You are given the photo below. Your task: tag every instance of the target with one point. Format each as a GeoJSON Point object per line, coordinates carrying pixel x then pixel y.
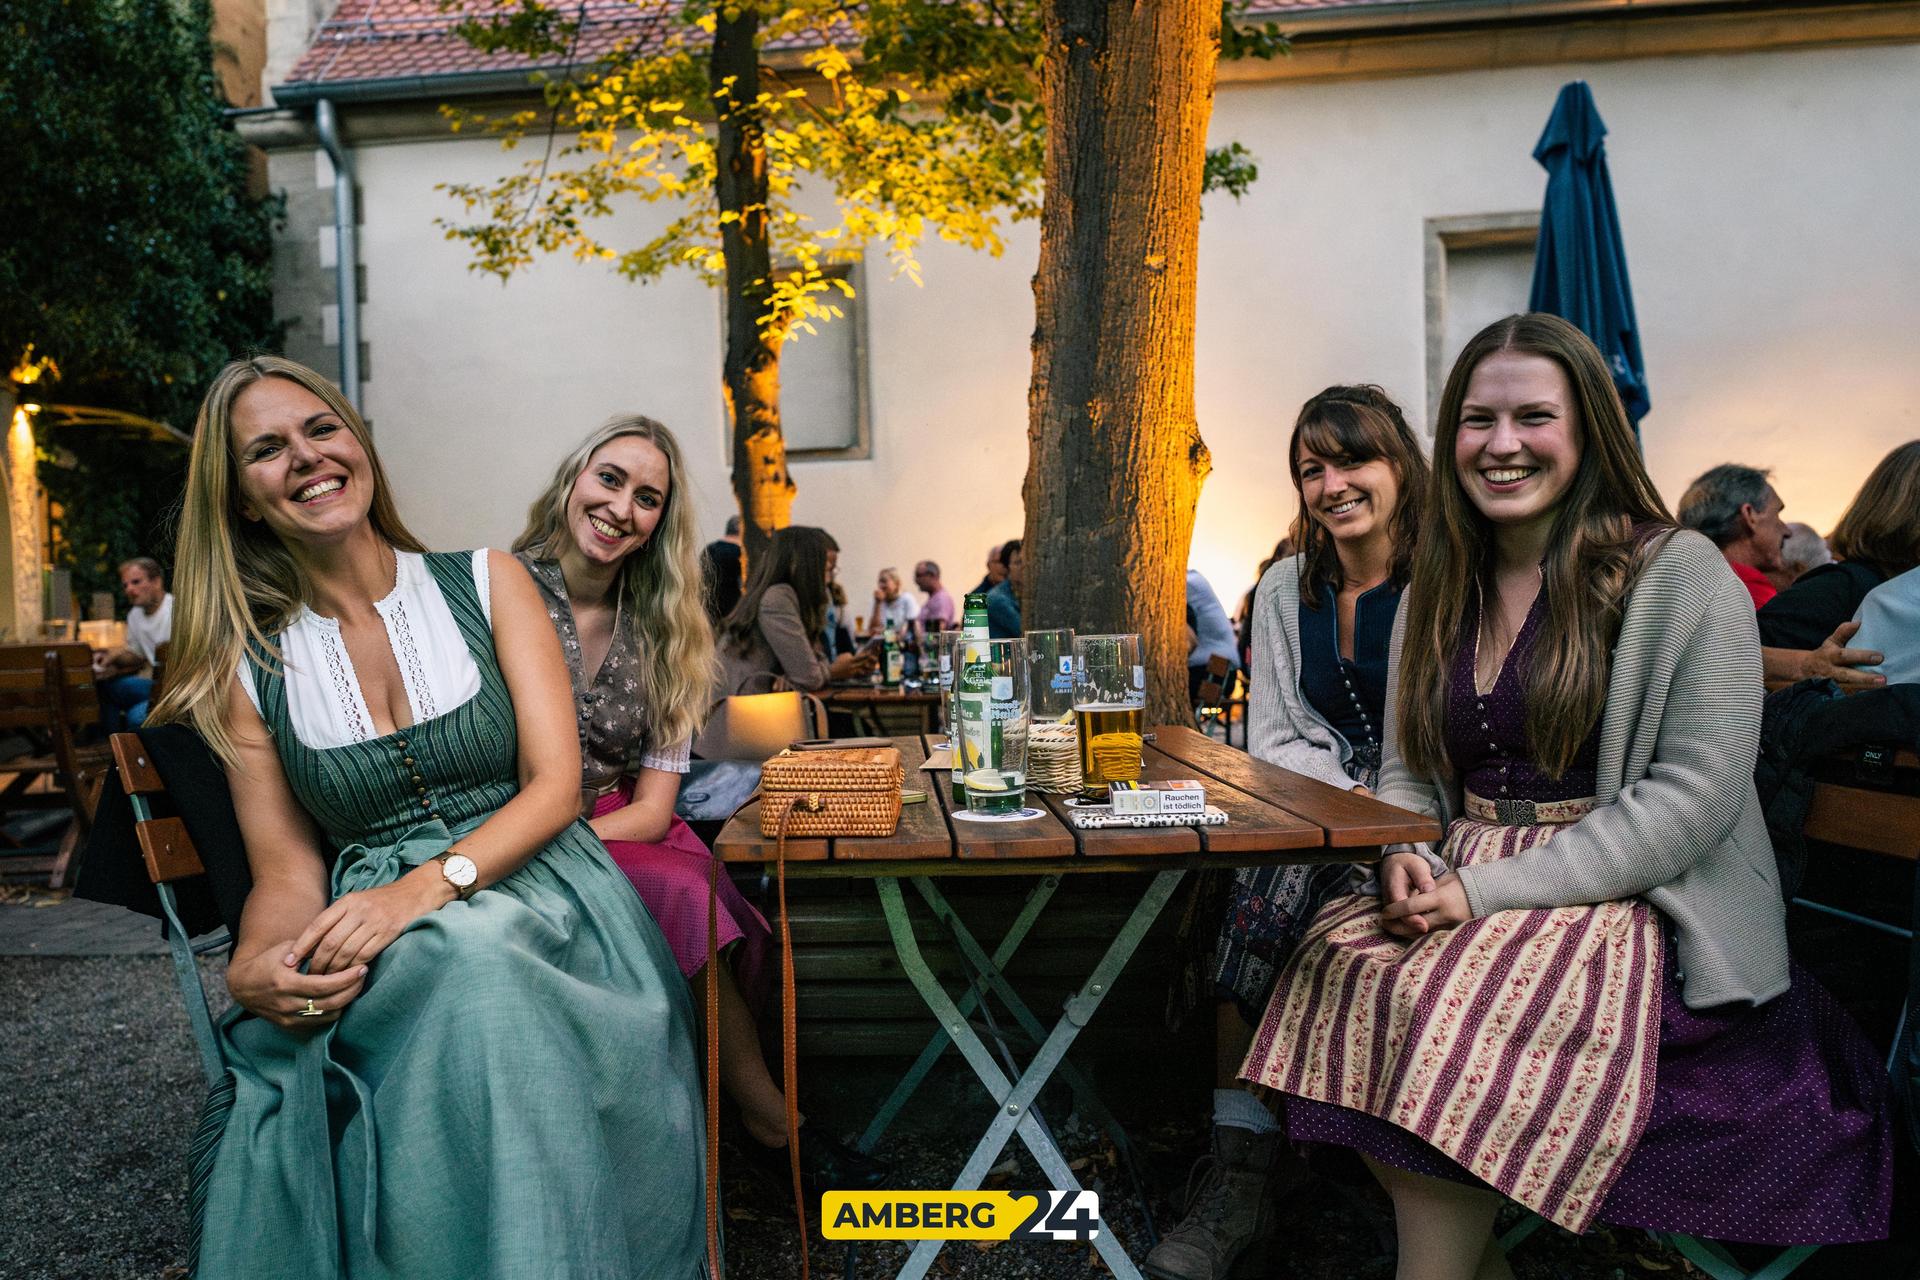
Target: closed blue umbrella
{"type": "Point", "coordinates": [1579, 264]}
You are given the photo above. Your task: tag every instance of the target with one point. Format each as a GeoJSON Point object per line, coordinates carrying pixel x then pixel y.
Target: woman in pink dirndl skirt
{"type": "Point", "coordinates": [612, 545]}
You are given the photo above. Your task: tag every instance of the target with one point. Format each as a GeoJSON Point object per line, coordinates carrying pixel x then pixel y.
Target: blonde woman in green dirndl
{"type": "Point", "coordinates": [460, 1046]}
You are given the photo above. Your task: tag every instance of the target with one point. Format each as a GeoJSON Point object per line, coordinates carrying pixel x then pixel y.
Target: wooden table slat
{"type": "Point", "coordinates": [923, 830]}
{"type": "Point", "coordinates": [1252, 823]}
{"type": "Point", "coordinates": [1349, 821]}
{"type": "Point", "coordinates": [740, 841]}
{"type": "Point", "coordinates": [1042, 837]}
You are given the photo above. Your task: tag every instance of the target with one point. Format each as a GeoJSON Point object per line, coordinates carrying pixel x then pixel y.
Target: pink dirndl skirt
{"type": "Point", "coordinates": [671, 877]}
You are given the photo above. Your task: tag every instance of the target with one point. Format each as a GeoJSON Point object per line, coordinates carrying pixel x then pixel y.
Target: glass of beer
{"type": "Point", "coordinates": [992, 718]}
{"type": "Point", "coordinates": [1050, 674]}
{"type": "Point", "coordinates": [1109, 710]}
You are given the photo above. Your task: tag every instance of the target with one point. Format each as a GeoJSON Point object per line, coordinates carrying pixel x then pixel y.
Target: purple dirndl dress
{"type": "Point", "coordinates": [1768, 1124]}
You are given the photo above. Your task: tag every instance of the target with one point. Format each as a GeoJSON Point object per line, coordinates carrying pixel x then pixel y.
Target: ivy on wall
{"type": "Point", "coordinates": [131, 251]}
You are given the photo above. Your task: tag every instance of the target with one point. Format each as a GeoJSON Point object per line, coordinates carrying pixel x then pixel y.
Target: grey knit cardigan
{"type": "Point", "coordinates": [1678, 821]}
{"type": "Point", "coordinates": [1283, 728]}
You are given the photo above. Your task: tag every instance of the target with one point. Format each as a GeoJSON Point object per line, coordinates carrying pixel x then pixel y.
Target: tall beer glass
{"type": "Point", "coordinates": [1050, 673]}
{"type": "Point", "coordinates": [1109, 710]}
{"type": "Point", "coordinates": [993, 717]}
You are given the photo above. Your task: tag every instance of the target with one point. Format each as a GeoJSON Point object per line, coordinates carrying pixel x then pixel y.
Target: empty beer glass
{"type": "Point", "coordinates": [992, 717]}
{"type": "Point", "coordinates": [1050, 674]}
{"type": "Point", "coordinates": [1109, 710]}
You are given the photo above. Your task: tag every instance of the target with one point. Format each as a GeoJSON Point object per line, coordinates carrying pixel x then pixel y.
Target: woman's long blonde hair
{"type": "Point", "coordinates": [1608, 523]}
{"type": "Point", "coordinates": [661, 582]}
{"type": "Point", "coordinates": [234, 582]}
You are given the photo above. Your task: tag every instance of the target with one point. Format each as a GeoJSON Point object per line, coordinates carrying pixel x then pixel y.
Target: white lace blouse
{"type": "Point", "coordinates": [324, 700]}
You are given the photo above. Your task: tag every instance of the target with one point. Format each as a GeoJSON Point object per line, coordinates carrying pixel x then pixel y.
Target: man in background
{"type": "Point", "coordinates": [1003, 602]}
{"type": "Point", "coordinates": [1736, 508]}
{"type": "Point", "coordinates": [118, 673]}
{"type": "Point", "coordinates": [938, 612]}
{"type": "Point", "coordinates": [1212, 633]}
{"type": "Point", "coordinates": [996, 570]}
{"type": "Point", "coordinates": [720, 569]}
{"type": "Point", "coordinates": [1801, 551]}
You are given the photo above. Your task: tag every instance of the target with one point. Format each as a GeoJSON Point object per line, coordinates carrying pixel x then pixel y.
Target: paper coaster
{"type": "Point", "coordinates": [1019, 815]}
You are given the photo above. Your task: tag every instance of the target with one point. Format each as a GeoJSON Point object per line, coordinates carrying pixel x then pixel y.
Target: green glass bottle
{"type": "Point", "coordinates": [893, 658]}
{"type": "Point", "coordinates": [972, 683]}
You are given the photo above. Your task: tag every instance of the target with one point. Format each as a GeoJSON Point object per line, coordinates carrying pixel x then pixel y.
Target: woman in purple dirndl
{"type": "Point", "coordinates": [1583, 1001]}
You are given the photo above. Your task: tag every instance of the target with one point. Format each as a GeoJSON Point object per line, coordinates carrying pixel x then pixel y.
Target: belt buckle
{"type": "Point", "coordinates": [1515, 813]}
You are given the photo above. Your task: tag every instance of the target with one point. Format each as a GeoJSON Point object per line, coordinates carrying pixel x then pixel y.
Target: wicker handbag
{"type": "Point", "coordinates": [813, 792]}
{"type": "Point", "coordinates": [831, 793]}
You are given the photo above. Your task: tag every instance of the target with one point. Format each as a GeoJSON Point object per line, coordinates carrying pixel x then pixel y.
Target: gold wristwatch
{"type": "Point", "coordinates": [461, 875]}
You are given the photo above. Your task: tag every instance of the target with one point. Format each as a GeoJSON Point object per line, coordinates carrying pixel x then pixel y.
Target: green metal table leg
{"type": "Point", "coordinates": [992, 971]}
{"type": "Point", "coordinates": [1037, 899]}
{"type": "Point", "coordinates": [1015, 1100]}
{"type": "Point", "coordinates": [1718, 1263]}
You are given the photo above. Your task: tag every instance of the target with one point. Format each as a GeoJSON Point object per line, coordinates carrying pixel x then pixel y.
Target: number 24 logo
{"type": "Point", "coordinates": [1061, 1215]}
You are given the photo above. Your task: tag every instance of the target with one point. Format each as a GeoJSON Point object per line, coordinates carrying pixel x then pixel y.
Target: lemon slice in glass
{"type": "Point", "coordinates": [986, 780]}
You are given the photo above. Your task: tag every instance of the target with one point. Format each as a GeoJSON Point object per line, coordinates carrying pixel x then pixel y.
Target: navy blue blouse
{"type": "Point", "coordinates": [1349, 693]}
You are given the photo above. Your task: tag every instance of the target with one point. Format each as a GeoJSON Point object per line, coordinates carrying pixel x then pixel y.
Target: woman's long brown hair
{"type": "Point", "coordinates": [1353, 425]}
{"type": "Point", "coordinates": [1882, 523]}
{"type": "Point", "coordinates": [797, 556]}
{"type": "Point", "coordinates": [1601, 538]}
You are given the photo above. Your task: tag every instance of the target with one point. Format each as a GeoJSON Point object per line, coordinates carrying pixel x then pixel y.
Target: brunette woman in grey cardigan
{"type": "Point", "coordinates": [1321, 624]}
{"type": "Point", "coordinates": [1584, 1002]}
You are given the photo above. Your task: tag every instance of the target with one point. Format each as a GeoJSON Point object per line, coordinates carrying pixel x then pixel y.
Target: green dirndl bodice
{"type": "Point", "coordinates": [514, 1093]}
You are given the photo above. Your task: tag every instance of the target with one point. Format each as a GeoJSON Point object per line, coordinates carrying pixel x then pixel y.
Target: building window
{"type": "Point", "coordinates": [1479, 268]}
{"type": "Point", "coordinates": [823, 381]}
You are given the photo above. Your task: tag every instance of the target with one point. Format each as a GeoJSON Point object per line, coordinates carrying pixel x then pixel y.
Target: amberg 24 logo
{"type": "Point", "coordinates": [960, 1215]}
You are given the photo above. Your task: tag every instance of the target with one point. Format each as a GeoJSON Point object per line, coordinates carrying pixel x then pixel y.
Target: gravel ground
{"type": "Point", "coordinates": [102, 1088]}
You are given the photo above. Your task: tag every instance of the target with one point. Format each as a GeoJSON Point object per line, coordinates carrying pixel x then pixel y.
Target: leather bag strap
{"type": "Point", "coordinates": [714, 1267]}
{"type": "Point", "coordinates": [789, 1030]}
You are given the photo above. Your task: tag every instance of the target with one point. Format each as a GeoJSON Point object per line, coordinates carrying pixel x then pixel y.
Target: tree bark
{"type": "Point", "coordinates": [1115, 459]}
{"type": "Point", "coordinates": [751, 370]}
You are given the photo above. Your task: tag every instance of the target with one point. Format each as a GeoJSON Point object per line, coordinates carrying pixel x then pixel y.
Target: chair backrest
{"type": "Point", "coordinates": [160, 652]}
{"type": "Point", "coordinates": [1213, 689]}
{"type": "Point", "coordinates": [42, 682]}
{"type": "Point", "coordinates": [169, 854]}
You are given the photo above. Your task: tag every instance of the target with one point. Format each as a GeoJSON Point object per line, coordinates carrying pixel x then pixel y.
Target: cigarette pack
{"type": "Point", "coordinates": [1182, 796]}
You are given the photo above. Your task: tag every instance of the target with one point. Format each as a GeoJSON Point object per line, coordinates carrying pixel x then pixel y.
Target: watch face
{"type": "Point", "coordinates": [460, 870]}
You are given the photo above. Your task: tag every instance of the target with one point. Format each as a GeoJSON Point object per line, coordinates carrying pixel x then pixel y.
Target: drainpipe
{"type": "Point", "coordinates": [346, 255]}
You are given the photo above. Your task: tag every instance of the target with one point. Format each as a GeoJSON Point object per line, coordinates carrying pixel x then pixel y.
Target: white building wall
{"type": "Point", "coordinates": [1769, 204]}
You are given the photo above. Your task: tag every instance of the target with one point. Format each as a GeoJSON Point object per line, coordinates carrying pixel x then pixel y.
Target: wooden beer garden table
{"type": "Point", "coordinates": [1274, 817]}
{"type": "Point", "coordinates": [869, 704]}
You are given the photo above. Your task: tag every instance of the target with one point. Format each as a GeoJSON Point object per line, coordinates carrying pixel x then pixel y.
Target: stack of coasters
{"type": "Point", "coordinates": [1141, 799]}
{"type": "Point", "coordinates": [1093, 816]}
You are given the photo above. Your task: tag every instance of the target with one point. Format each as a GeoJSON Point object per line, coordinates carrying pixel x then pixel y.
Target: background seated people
{"type": "Point", "coordinates": [1803, 549]}
{"type": "Point", "coordinates": [770, 640]}
{"type": "Point", "coordinates": [937, 612]}
{"type": "Point", "coordinates": [1889, 621]}
{"type": "Point", "coordinates": [1003, 602]}
{"type": "Point", "coordinates": [1211, 631]}
{"type": "Point", "coordinates": [443, 985]}
{"type": "Point", "coordinates": [892, 607]}
{"type": "Point", "coordinates": [720, 571]}
{"type": "Point", "coordinates": [996, 571]}
{"type": "Point", "coordinates": [1878, 538]}
{"type": "Point", "coordinates": [1740, 514]}
{"type": "Point", "coordinates": [1567, 1002]}
{"type": "Point", "coordinates": [123, 689]}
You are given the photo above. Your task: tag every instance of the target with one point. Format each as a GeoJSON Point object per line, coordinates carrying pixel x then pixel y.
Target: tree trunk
{"type": "Point", "coordinates": [20, 520]}
{"type": "Point", "coordinates": [751, 369]}
{"type": "Point", "coordinates": [1115, 459]}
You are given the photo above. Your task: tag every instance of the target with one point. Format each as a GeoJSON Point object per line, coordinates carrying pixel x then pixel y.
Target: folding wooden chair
{"type": "Point", "coordinates": [170, 856]}
{"type": "Point", "coordinates": [46, 690]}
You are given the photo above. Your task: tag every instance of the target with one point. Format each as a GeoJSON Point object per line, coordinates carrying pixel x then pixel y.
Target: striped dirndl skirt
{"type": "Point", "coordinates": [1521, 1045]}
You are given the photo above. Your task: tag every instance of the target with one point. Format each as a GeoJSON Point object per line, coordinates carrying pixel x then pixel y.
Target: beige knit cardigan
{"type": "Point", "coordinates": [1678, 821]}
